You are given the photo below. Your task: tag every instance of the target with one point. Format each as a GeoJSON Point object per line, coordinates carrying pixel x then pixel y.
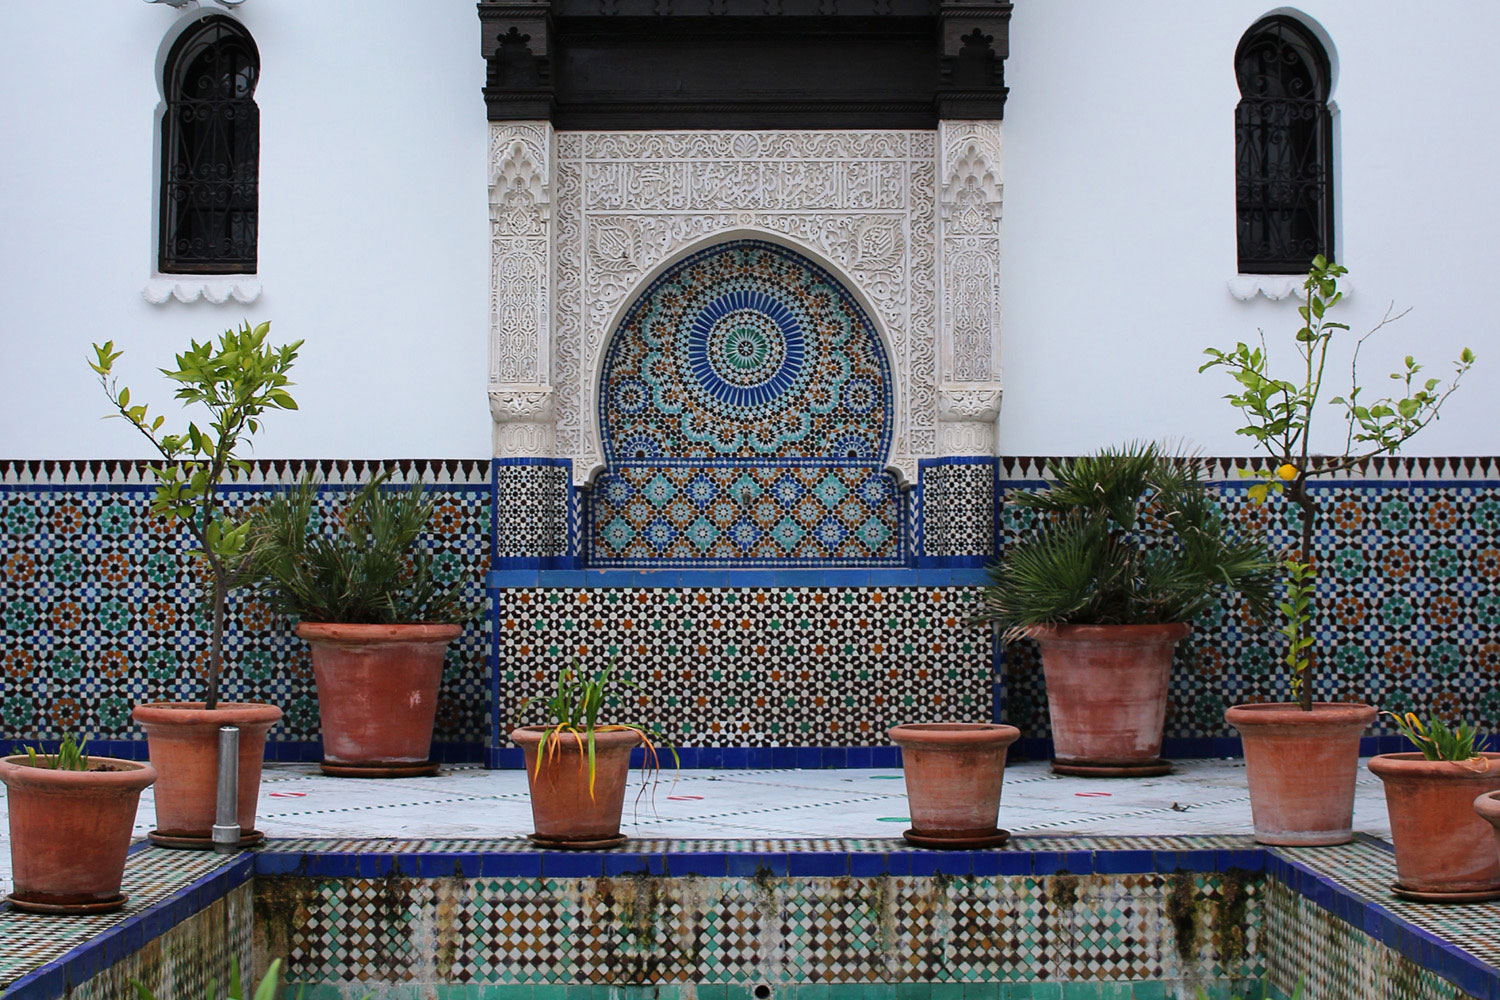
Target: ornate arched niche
{"type": "Point", "coordinates": [746, 413]}
{"type": "Point", "coordinates": [582, 222]}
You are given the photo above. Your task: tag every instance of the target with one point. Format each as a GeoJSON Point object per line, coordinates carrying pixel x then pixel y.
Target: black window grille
{"type": "Point", "coordinates": [1283, 149]}
{"type": "Point", "coordinates": [210, 151]}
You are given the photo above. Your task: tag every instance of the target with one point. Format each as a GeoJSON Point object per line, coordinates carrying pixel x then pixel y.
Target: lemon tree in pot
{"type": "Point", "coordinates": [367, 598]}
{"type": "Point", "coordinates": [236, 381]}
{"type": "Point", "coordinates": [1445, 851]}
{"type": "Point", "coordinates": [577, 765]}
{"type": "Point", "coordinates": [1301, 756]}
{"type": "Point", "coordinates": [70, 822]}
{"type": "Point", "coordinates": [1130, 548]}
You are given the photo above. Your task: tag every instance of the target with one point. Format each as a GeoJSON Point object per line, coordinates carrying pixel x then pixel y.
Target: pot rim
{"type": "Point", "coordinates": [1487, 804]}
{"type": "Point", "coordinates": [531, 736]}
{"type": "Point", "coordinates": [954, 733]}
{"type": "Point", "coordinates": [360, 632]}
{"type": "Point", "coordinates": [133, 776]}
{"type": "Point", "coordinates": [1411, 764]}
{"type": "Point", "coordinates": [1289, 714]}
{"type": "Point", "coordinates": [1120, 635]}
{"type": "Point", "coordinates": [191, 713]}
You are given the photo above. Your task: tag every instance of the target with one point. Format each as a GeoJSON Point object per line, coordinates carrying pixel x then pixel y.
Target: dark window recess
{"type": "Point", "coordinates": [210, 151]}
{"type": "Point", "coordinates": [1283, 148]}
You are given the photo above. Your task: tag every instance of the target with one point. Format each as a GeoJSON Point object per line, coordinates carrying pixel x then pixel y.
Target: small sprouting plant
{"type": "Point", "coordinates": [265, 991]}
{"type": "Point", "coordinates": [1439, 741]}
{"type": "Point", "coordinates": [573, 712]}
{"type": "Point", "coordinates": [71, 756]}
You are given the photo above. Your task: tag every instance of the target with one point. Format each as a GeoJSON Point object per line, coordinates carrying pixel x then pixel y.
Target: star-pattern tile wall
{"type": "Point", "coordinates": [746, 412]}
{"type": "Point", "coordinates": [1409, 599]}
{"type": "Point", "coordinates": [834, 666]}
{"type": "Point", "coordinates": [100, 607]}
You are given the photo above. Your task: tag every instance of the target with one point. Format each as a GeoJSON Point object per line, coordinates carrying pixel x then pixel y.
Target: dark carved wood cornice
{"type": "Point", "coordinates": [642, 64]}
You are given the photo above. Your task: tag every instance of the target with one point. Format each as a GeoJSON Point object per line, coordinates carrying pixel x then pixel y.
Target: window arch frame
{"type": "Point", "coordinates": [1265, 243]}
{"type": "Point", "coordinates": [228, 176]}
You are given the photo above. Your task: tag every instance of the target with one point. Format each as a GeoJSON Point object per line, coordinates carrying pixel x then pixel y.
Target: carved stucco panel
{"type": "Point", "coordinates": [629, 203]}
{"type": "Point", "coordinates": [969, 243]}
{"type": "Point", "coordinates": [520, 167]}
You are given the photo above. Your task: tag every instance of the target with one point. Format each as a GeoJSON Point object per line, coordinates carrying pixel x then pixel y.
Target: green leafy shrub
{"type": "Point", "coordinates": [1130, 536]}
{"type": "Point", "coordinates": [370, 569]}
{"type": "Point", "coordinates": [237, 381]}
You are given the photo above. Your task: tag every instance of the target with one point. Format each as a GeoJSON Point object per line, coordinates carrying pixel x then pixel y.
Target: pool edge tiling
{"type": "Point", "coordinates": [1089, 913]}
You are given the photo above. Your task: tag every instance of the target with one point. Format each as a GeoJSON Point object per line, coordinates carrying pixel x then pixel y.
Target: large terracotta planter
{"type": "Point", "coordinates": [563, 812]}
{"type": "Point", "coordinates": [1107, 695]}
{"type": "Point", "coordinates": [183, 738]}
{"type": "Point", "coordinates": [953, 775]}
{"type": "Point", "coordinates": [70, 831]}
{"type": "Point", "coordinates": [1301, 768]}
{"type": "Point", "coordinates": [1445, 852]}
{"type": "Point", "coordinates": [377, 695]}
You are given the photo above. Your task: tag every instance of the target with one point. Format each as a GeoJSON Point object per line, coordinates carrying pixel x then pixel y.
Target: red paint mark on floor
{"type": "Point", "coordinates": [1093, 795]}
{"type": "Point", "coordinates": [288, 795]}
{"type": "Point", "coordinates": [685, 798]}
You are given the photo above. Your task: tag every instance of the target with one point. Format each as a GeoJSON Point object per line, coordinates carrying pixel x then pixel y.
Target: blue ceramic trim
{"type": "Point", "coordinates": [535, 576]}
{"type": "Point", "coordinates": [96, 955]}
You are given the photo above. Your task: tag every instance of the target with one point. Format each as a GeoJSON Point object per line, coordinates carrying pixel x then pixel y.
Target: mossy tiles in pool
{"type": "Point", "coordinates": [809, 991]}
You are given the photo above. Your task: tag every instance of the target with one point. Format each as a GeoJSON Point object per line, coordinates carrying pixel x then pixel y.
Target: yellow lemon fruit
{"type": "Point", "coordinates": [1287, 472]}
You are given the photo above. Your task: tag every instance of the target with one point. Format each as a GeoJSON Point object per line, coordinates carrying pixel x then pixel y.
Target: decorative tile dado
{"type": "Point", "coordinates": [958, 509]}
{"type": "Point", "coordinates": [1409, 600]}
{"type": "Point", "coordinates": [1062, 928]}
{"type": "Point", "coordinates": [756, 667]}
{"type": "Point", "coordinates": [627, 204]}
{"type": "Point", "coordinates": [99, 603]}
{"type": "Point", "coordinates": [531, 510]}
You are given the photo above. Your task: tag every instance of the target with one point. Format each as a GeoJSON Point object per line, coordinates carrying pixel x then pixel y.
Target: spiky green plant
{"type": "Point", "coordinates": [1439, 741]}
{"type": "Point", "coordinates": [370, 569]}
{"type": "Point", "coordinates": [71, 756]}
{"type": "Point", "coordinates": [1129, 536]}
{"type": "Point", "coordinates": [573, 713]}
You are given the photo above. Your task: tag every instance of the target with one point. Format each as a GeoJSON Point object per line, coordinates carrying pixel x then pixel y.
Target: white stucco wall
{"type": "Point", "coordinates": [1119, 217]}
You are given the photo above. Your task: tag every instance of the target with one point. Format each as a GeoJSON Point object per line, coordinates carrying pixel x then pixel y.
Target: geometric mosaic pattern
{"type": "Point", "coordinates": [1409, 611]}
{"type": "Point", "coordinates": [101, 609]}
{"type": "Point", "coordinates": [739, 366]}
{"type": "Point", "coordinates": [531, 504]}
{"type": "Point", "coordinates": [958, 508]}
{"type": "Point", "coordinates": [828, 666]}
{"type": "Point", "coordinates": [639, 929]}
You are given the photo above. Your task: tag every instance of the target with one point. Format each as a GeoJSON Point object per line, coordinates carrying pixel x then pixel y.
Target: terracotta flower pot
{"type": "Point", "coordinates": [563, 812]}
{"type": "Point", "coordinates": [377, 695]}
{"type": "Point", "coordinates": [183, 738]}
{"type": "Point", "coordinates": [1107, 695]}
{"type": "Point", "coordinates": [1301, 768]}
{"type": "Point", "coordinates": [1487, 807]}
{"type": "Point", "coordinates": [1445, 852]}
{"type": "Point", "coordinates": [70, 831]}
{"type": "Point", "coordinates": [953, 776]}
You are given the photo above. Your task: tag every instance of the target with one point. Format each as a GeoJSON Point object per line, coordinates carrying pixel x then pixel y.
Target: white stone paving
{"type": "Point", "coordinates": [1202, 797]}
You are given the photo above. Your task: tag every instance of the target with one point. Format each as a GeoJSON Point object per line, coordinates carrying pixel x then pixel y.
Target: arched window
{"type": "Point", "coordinates": [210, 148]}
{"type": "Point", "coordinates": [1283, 148]}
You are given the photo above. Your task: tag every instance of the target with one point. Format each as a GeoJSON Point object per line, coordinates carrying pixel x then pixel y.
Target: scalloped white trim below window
{"type": "Point", "coordinates": [1274, 286]}
{"type": "Point", "coordinates": [218, 289]}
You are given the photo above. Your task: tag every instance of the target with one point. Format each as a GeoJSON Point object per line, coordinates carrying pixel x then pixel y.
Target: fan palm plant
{"type": "Point", "coordinates": [1130, 548]}
{"type": "Point", "coordinates": [1130, 536]}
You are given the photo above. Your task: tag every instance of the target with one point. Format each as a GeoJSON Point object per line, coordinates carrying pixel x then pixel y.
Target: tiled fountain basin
{"type": "Point", "coordinates": [1062, 918]}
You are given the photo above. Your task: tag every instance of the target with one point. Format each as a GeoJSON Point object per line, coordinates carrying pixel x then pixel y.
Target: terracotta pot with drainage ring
{"type": "Point", "coordinates": [183, 737]}
{"type": "Point", "coordinates": [563, 811]}
{"type": "Point", "coordinates": [1301, 768]}
{"type": "Point", "coordinates": [1445, 852]}
{"type": "Point", "coordinates": [954, 771]}
{"type": "Point", "coordinates": [70, 832]}
{"type": "Point", "coordinates": [377, 695]}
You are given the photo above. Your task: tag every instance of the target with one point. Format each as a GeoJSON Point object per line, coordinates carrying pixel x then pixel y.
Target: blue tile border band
{"type": "Point", "coordinates": [948, 575]}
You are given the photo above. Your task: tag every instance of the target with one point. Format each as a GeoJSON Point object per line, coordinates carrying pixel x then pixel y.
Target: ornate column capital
{"type": "Point", "coordinates": [525, 420]}
{"type": "Point", "coordinates": [967, 413]}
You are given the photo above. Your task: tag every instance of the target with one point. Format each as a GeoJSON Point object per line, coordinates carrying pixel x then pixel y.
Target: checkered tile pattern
{"type": "Point", "coordinates": [958, 509]}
